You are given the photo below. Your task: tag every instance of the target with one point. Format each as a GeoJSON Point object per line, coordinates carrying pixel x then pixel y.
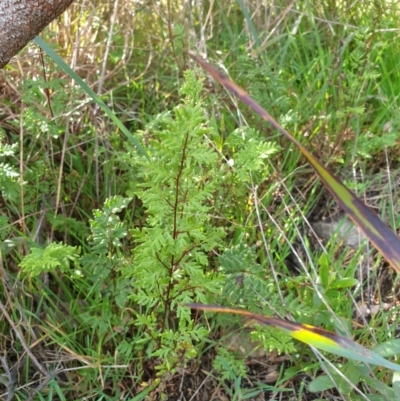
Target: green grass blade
{"type": "Point", "coordinates": [142, 395]}
{"type": "Point", "coordinates": [249, 22]}
{"type": "Point", "coordinates": [370, 224]}
{"type": "Point", "coordinates": [396, 386]}
{"type": "Point", "coordinates": [97, 99]}
{"type": "Point", "coordinates": [310, 335]}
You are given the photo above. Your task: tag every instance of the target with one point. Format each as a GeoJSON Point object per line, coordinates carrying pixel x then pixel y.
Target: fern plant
{"type": "Point", "coordinates": [170, 262]}
{"type": "Point", "coordinates": [181, 186]}
{"type": "Point", "coordinates": [54, 256]}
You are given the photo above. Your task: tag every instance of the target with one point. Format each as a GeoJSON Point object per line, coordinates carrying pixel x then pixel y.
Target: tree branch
{"type": "Point", "coordinates": [22, 20]}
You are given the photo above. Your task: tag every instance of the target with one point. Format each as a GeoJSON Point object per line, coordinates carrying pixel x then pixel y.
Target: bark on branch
{"type": "Point", "coordinates": [22, 20]}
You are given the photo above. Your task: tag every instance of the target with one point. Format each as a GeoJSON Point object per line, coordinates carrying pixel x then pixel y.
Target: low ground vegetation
{"type": "Point", "coordinates": [101, 245]}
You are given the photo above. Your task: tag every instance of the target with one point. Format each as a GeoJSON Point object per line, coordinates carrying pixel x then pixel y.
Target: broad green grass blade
{"type": "Point", "coordinates": [313, 336]}
{"type": "Point", "coordinates": [63, 65]}
{"type": "Point", "coordinates": [371, 225]}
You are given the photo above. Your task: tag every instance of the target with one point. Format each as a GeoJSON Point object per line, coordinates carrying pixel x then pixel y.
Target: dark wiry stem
{"type": "Point", "coordinates": [175, 228]}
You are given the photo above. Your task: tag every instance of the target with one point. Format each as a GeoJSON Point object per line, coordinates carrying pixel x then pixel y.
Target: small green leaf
{"type": "Point", "coordinates": [344, 283]}
{"type": "Point", "coordinates": [380, 387]}
{"type": "Point", "coordinates": [351, 378]}
{"type": "Point", "coordinates": [388, 348]}
{"type": "Point", "coordinates": [53, 256]}
{"type": "Point", "coordinates": [324, 270]}
{"type": "Point", "coordinates": [321, 383]}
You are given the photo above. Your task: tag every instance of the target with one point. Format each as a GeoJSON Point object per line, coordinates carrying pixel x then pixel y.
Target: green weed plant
{"type": "Point", "coordinates": [176, 223]}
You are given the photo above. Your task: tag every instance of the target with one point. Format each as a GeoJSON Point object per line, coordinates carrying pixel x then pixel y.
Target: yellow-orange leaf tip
{"type": "Point", "coordinates": [313, 336]}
